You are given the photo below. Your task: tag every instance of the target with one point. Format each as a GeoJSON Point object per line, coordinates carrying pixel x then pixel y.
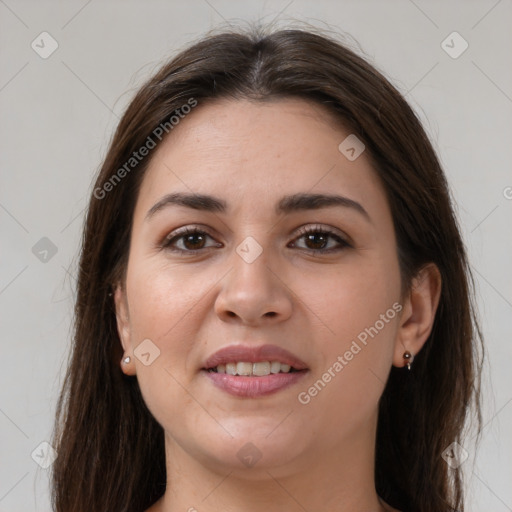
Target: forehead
{"type": "Point", "coordinates": [253, 152]}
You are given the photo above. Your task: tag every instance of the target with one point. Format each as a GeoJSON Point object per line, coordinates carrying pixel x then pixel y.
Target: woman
{"type": "Point", "coordinates": [274, 304]}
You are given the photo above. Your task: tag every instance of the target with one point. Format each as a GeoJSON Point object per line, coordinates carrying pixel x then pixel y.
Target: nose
{"type": "Point", "coordinates": [253, 293]}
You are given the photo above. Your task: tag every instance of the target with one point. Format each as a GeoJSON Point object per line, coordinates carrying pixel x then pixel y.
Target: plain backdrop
{"type": "Point", "coordinates": [57, 116]}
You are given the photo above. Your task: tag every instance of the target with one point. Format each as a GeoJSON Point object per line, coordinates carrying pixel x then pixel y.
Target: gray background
{"type": "Point", "coordinates": [57, 116]}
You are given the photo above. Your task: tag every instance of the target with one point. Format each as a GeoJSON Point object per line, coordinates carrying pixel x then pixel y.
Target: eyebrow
{"type": "Point", "coordinates": [287, 204]}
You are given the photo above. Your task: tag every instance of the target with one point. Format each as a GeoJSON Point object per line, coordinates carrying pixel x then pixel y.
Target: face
{"type": "Point", "coordinates": [318, 282]}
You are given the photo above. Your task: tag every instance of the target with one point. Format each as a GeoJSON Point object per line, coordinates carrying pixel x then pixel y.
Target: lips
{"type": "Point", "coordinates": [253, 372]}
{"type": "Point", "coordinates": [253, 354]}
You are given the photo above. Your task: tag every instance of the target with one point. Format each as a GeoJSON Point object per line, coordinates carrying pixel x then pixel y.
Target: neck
{"type": "Point", "coordinates": [337, 478]}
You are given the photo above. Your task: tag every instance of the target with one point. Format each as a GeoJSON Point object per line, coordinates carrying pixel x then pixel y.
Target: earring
{"type": "Point", "coordinates": [409, 358]}
{"type": "Point", "coordinates": [126, 360]}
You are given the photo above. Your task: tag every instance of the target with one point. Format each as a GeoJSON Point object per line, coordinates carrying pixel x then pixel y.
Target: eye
{"type": "Point", "coordinates": [321, 240]}
{"type": "Point", "coordinates": [188, 240]}
{"type": "Point", "coordinates": [317, 239]}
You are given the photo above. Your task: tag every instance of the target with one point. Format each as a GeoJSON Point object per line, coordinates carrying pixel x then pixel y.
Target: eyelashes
{"type": "Point", "coordinates": [193, 240]}
{"type": "Point", "coordinates": [310, 233]}
{"type": "Point", "coordinates": [187, 234]}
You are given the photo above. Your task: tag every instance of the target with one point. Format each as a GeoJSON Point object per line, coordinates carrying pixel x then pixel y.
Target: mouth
{"type": "Point", "coordinates": [248, 369]}
{"type": "Point", "coordinates": [251, 372]}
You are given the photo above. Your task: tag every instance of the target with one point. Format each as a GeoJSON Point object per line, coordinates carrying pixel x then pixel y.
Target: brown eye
{"type": "Point", "coordinates": [194, 241]}
{"type": "Point", "coordinates": [316, 241]}
{"type": "Point", "coordinates": [188, 241]}
{"type": "Point", "coordinates": [322, 240]}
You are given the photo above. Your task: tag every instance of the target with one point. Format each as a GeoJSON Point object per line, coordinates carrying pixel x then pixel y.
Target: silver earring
{"type": "Point", "coordinates": [408, 358]}
{"type": "Point", "coordinates": [126, 360]}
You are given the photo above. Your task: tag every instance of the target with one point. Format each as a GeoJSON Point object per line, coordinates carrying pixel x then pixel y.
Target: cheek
{"type": "Point", "coordinates": [162, 310]}
{"type": "Point", "coordinates": [350, 299]}
{"type": "Point", "coordinates": [160, 299]}
{"type": "Point", "coordinates": [358, 309]}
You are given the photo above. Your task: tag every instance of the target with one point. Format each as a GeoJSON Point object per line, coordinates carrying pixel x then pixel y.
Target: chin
{"type": "Point", "coordinates": [255, 448]}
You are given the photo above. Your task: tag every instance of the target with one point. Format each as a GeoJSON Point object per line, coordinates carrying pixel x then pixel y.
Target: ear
{"type": "Point", "coordinates": [418, 314]}
{"type": "Point", "coordinates": [123, 329]}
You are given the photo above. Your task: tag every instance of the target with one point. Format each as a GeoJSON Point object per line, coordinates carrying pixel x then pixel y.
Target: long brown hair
{"type": "Point", "coordinates": [111, 454]}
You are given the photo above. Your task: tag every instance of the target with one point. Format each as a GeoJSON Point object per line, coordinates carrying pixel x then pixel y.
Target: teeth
{"type": "Point", "coordinates": [275, 367]}
{"type": "Point", "coordinates": [244, 368]}
{"type": "Point", "coordinates": [259, 369]}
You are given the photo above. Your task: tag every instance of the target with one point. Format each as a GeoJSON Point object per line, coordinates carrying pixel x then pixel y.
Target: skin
{"type": "Point", "coordinates": [314, 456]}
